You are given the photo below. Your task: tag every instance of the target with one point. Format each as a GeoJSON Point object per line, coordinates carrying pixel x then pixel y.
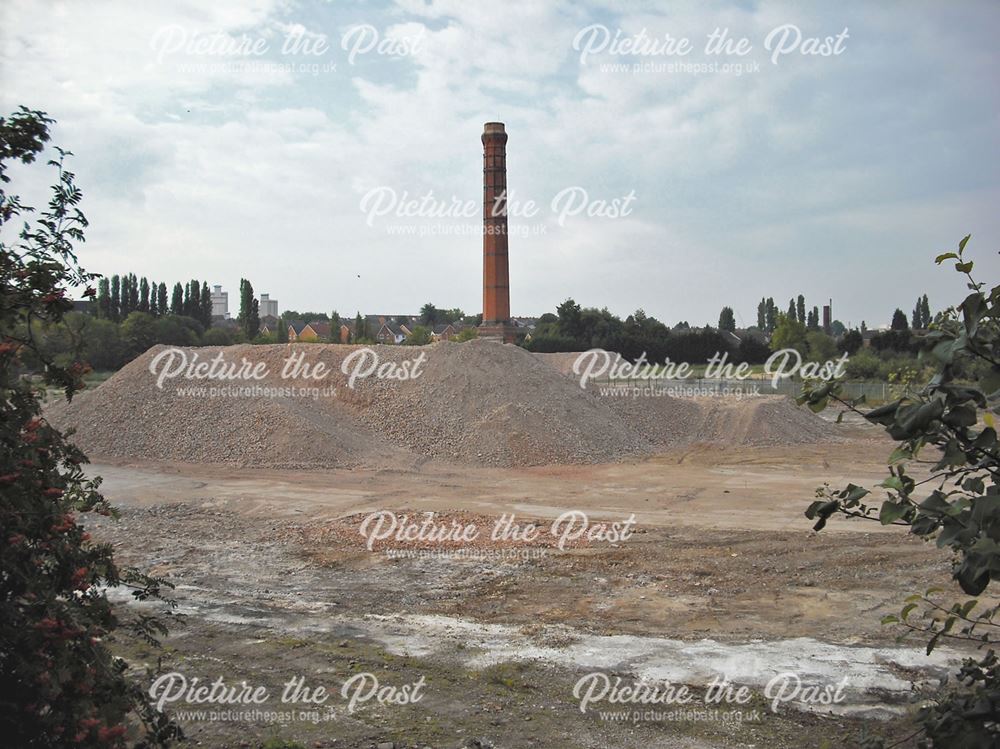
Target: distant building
{"type": "Point", "coordinates": [268, 306]}
{"type": "Point", "coordinates": [269, 324]}
{"type": "Point", "coordinates": [313, 331]}
{"type": "Point", "coordinates": [220, 303]}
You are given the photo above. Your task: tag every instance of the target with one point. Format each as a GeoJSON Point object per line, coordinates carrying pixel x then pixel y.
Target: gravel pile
{"type": "Point", "coordinates": [477, 402]}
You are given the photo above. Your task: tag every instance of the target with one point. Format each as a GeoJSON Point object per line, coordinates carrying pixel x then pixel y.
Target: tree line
{"type": "Point", "coordinates": [768, 315]}
{"type": "Point", "coordinates": [574, 328]}
{"type": "Point", "coordinates": [121, 295]}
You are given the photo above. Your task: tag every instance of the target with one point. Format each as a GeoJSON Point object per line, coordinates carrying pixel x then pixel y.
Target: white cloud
{"type": "Point", "coordinates": [745, 185]}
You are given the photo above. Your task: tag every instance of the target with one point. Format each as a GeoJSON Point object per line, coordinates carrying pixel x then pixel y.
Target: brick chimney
{"type": "Point", "coordinates": [496, 277]}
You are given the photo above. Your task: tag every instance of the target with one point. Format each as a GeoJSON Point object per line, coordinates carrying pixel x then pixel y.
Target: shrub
{"type": "Point", "coordinates": [217, 337]}
{"type": "Point", "coordinates": [950, 426]}
{"type": "Point", "coordinates": [60, 684]}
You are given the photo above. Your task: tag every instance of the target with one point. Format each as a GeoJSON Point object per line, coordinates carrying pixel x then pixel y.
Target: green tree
{"type": "Point", "coordinates": [139, 332]}
{"type": "Point", "coordinates": [116, 306]}
{"type": "Point", "coordinates": [249, 317]}
{"type": "Point", "coordinates": [419, 336]}
{"type": "Point", "coordinates": [143, 295]}
{"type": "Point", "coordinates": [172, 330]}
{"type": "Point", "coordinates": [800, 308]}
{"type": "Point", "coordinates": [771, 316]}
{"type": "Point", "coordinates": [821, 347]}
{"type": "Point", "coordinates": [921, 317]}
{"type": "Point", "coordinates": [205, 311]}
{"type": "Point", "coordinates": [221, 337]}
{"type": "Point", "coordinates": [570, 320]}
{"type": "Point", "coordinates": [62, 685]}
{"type": "Point", "coordinates": [429, 315]}
{"type": "Point", "coordinates": [790, 333]}
{"type": "Point", "coordinates": [177, 300]}
{"type": "Point", "coordinates": [727, 320]}
{"type": "Point", "coordinates": [335, 324]}
{"type": "Point", "coordinates": [195, 310]}
{"type": "Point", "coordinates": [899, 320]}
{"type": "Point", "coordinates": [125, 303]}
{"type": "Point", "coordinates": [104, 349]}
{"type": "Point", "coordinates": [813, 319]}
{"type": "Point", "coordinates": [104, 299]}
{"type": "Point", "coordinates": [161, 299]}
{"type": "Point", "coordinates": [851, 342]}
{"type": "Point", "coordinates": [949, 426]}
{"type": "Point", "coordinates": [762, 314]}
{"type": "Point", "coordinates": [791, 310]}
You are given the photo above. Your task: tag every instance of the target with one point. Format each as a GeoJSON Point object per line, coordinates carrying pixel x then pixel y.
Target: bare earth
{"type": "Point", "coordinates": [723, 574]}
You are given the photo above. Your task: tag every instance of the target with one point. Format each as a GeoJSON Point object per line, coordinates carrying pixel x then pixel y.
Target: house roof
{"type": "Point", "coordinates": [322, 329]}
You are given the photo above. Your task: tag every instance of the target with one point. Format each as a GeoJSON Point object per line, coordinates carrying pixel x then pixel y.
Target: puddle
{"type": "Point", "coordinates": [876, 686]}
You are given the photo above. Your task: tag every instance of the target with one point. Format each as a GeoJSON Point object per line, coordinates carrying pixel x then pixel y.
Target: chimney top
{"type": "Point", "coordinates": [493, 127]}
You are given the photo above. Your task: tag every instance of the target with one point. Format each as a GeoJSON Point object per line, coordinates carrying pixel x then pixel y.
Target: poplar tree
{"type": "Point", "coordinates": [177, 300]}
{"type": "Point", "coordinates": [161, 299]}
{"type": "Point", "coordinates": [206, 304]}
{"type": "Point", "coordinates": [115, 308]}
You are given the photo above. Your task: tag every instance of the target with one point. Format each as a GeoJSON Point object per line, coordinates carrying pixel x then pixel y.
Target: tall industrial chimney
{"type": "Point", "coordinates": [496, 277]}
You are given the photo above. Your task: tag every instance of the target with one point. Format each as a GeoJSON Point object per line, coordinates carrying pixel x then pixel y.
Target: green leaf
{"type": "Point", "coordinates": [821, 510]}
{"type": "Point", "coordinates": [968, 606]}
{"type": "Point", "coordinates": [819, 405]}
{"type": "Point", "coordinates": [933, 642]}
{"type": "Point", "coordinates": [902, 452]}
{"type": "Point", "coordinates": [964, 415]}
{"type": "Point", "coordinates": [892, 511]}
{"type": "Point", "coordinates": [893, 482]}
{"type": "Point", "coordinates": [961, 245]}
{"type": "Point", "coordinates": [906, 610]}
{"type": "Point", "coordinates": [936, 503]}
{"type": "Point", "coordinates": [945, 256]}
{"type": "Point", "coordinates": [990, 381]}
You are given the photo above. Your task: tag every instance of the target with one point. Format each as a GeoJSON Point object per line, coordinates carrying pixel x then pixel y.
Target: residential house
{"type": "Point", "coordinates": [391, 332]}
{"type": "Point", "coordinates": [443, 332]}
{"type": "Point", "coordinates": [317, 330]}
{"type": "Point", "coordinates": [269, 324]}
{"type": "Point", "coordinates": [313, 331]}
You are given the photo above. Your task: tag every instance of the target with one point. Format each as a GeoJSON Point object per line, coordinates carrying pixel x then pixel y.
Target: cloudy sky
{"type": "Point", "coordinates": [832, 153]}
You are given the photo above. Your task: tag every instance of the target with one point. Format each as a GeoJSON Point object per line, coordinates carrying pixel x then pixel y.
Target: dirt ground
{"type": "Point", "coordinates": [722, 573]}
